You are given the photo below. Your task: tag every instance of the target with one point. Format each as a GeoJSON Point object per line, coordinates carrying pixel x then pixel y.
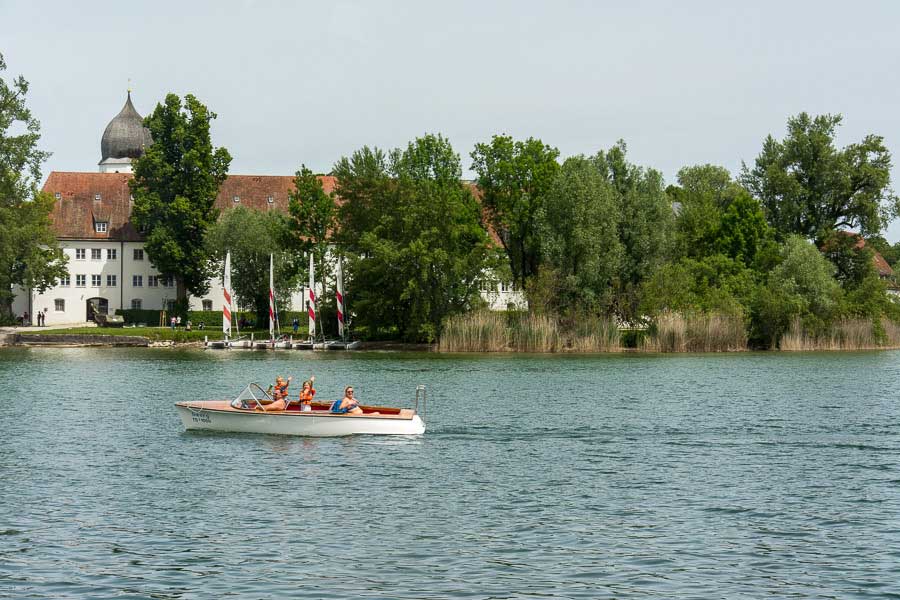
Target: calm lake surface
{"type": "Point", "coordinates": [699, 476]}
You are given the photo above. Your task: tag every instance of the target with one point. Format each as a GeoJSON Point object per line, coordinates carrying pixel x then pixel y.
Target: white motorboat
{"type": "Point", "coordinates": [245, 414]}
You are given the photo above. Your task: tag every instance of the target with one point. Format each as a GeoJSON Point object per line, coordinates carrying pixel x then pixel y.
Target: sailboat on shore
{"type": "Point", "coordinates": [343, 343]}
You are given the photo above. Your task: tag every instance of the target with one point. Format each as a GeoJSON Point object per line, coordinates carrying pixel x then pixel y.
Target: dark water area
{"type": "Point", "coordinates": [697, 476]}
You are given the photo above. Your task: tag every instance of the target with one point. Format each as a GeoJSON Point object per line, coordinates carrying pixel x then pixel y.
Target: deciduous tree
{"type": "Point", "coordinates": [809, 187]}
{"type": "Point", "coordinates": [175, 186]}
{"type": "Point", "coordinates": [29, 253]}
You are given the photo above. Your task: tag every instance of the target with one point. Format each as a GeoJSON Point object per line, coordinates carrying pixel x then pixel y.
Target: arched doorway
{"type": "Point", "coordinates": [97, 305]}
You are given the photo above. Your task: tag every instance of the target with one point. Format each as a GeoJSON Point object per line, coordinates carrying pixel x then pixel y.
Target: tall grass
{"type": "Point", "coordinates": [482, 331]}
{"type": "Point", "coordinates": [592, 334]}
{"type": "Point", "coordinates": [534, 333]}
{"type": "Point", "coordinates": [696, 332]}
{"type": "Point", "coordinates": [845, 334]}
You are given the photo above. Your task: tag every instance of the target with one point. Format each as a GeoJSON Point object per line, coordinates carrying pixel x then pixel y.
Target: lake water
{"type": "Point", "coordinates": [697, 476]}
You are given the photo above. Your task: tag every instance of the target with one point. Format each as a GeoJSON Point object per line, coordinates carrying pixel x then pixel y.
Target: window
{"type": "Point", "coordinates": [170, 305]}
{"type": "Point", "coordinates": [236, 198]}
{"type": "Point", "coordinates": [79, 253]}
{"type": "Point", "coordinates": [79, 280]}
{"type": "Point", "coordinates": [97, 196]}
{"type": "Point", "coordinates": [101, 226]}
{"type": "Point", "coordinates": [111, 281]}
{"type": "Point", "coordinates": [112, 254]}
{"type": "Point", "coordinates": [136, 303]}
{"type": "Point", "coordinates": [57, 195]}
{"type": "Point", "coordinates": [169, 281]}
{"type": "Point", "coordinates": [152, 280]}
{"type": "Point", "coordinates": [270, 199]}
{"type": "Point", "coordinates": [95, 281]}
{"type": "Point", "coordinates": [64, 281]}
{"type": "Point", "coordinates": [207, 305]}
{"type": "Point", "coordinates": [138, 254]}
{"type": "Point", "coordinates": [59, 305]}
{"type": "Point", "coordinates": [95, 253]}
{"type": "Point", "coordinates": [137, 280]}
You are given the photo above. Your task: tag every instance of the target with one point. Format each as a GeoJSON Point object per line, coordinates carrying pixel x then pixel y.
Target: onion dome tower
{"type": "Point", "coordinates": [123, 140]}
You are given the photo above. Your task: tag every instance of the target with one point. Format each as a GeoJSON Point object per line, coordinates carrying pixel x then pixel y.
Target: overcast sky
{"type": "Point", "coordinates": [682, 83]}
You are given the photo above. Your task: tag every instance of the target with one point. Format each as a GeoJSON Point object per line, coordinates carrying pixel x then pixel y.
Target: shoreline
{"type": "Point", "coordinates": [99, 340]}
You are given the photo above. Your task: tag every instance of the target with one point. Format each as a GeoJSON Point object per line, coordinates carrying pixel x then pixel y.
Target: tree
{"type": "Point", "coordinates": [29, 253]}
{"type": "Point", "coordinates": [418, 250]}
{"type": "Point", "coordinates": [251, 236]}
{"type": "Point", "coordinates": [579, 236]}
{"type": "Point", "coordinates": [514, 179]}
{"type": "Point", "coordinates": [175, 186]}
{"type": "Point", "coordinates": [645, 227]}
{"type": "Point", "coordinates": [809, 187]}
{"type": "Point", "coordinates": [313, 220]}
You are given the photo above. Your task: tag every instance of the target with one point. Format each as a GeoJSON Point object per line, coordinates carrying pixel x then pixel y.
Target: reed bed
{"type": "Point", "coordinates": [592, 334]}
{"type": "Point", "coordinates": [534, 333]}
{"type": "Point", "coordinates": [845, 334]}
{"type": "Point", "coordinates": [696, 332]}
{"type": "Point", "coordinates": [482, 331]}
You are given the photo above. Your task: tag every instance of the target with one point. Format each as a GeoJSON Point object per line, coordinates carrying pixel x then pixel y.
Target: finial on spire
{"type": "Point", "coordinates": [129, 86]}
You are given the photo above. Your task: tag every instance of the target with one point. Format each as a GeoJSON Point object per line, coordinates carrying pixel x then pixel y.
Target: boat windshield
{"type": "Point", "coordinates": [251, 395]}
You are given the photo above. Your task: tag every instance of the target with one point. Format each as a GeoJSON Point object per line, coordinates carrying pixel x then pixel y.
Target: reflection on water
{"type": "Point", "coordinates": [558, 476]}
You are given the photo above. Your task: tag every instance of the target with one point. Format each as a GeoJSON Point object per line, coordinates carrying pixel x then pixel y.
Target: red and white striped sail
{"type": "Point", "coordinates": [311, 300]}
{"type": "Point", "coordinates": [339, 295]}
{"type": "Point", "coordinates": [226, 292]}
{"type": "Point", "coordinates": [271, 298]}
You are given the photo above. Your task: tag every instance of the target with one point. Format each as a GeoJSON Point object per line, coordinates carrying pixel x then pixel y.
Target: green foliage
{"type": "Point", "coordinates": [29, 254]}
{"type": "Point", "coordinates": [251, 236]}
{"type": "Point", "coordinates": [417, 248]}
{"type": "Point", "coordinates": [175, 185]}
{"type": "Point", "coordinates": [579, 233]}
{"type": "Point", "coordinates": [514, 179]}
{"type": "Point", "coordinates": [809, 187]}
{"type": "Point", "coordinates": [645, 226]}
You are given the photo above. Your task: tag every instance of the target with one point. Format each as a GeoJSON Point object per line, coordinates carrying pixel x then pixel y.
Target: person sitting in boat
{"type": "Point", "coordinates": [348, 404]}
{"type": "Point", "coordinates": [306, 394]}
{"type": "Point", "coordinates": [279, 394]}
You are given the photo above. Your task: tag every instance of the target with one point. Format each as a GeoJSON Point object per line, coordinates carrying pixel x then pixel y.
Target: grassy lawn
{"type": "Point", "coordinates": [152, 333]}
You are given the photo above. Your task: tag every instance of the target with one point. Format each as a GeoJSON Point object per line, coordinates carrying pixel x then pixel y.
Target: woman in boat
{"type": "Point", "coordinates": [306, 394]}
{"type": "Point", "coordinates": [348, 405]}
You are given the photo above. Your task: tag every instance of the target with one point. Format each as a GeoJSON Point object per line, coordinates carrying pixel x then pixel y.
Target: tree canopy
{"type": "Point", "coordinates": [29, 253]}
{"type": "Point", "coordinates": [809, 187]}
{"type": "Point", "coordinates": [251, 236]}
{"type": "Point", "coordinates": [514, 178]}
{"type": "Point", "coordinates": [417, 248]}
{"type": "Point", "coordinates": [175, 185]}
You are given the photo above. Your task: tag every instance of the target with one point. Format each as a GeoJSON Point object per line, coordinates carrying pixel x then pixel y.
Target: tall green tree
{"type": "Point", "coordinates": [645, 227]}
{"type": "Point", "coordinates": [175, 186]}
{"type": "Point", "coordinates": [251, 236]}
{"type": "Point", "coordinates": [809, 187]}
{"type": "Point", "coordinates": [313, 221]}
{"type": "Point", "coordinates": [514, 179]}
{"type": "Point", "coordinates": [417, 247]}
{"type": "Point", "coordinates": [29, 253]}
{"type": "Point", "coordinates": [580, 239]}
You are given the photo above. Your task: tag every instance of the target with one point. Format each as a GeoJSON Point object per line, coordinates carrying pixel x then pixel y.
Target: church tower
{"type": "Point", "coordinates": [123, 140]}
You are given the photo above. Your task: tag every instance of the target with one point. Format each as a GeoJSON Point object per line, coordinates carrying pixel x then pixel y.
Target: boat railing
{"type": "Point", "coordinates": [421, 394]}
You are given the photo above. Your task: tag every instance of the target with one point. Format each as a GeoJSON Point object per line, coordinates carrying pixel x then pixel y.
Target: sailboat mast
{"type": "Point", "coordinates": [226, 292]}
{"type": "Point", "coordinates": [311, 299]}
{"type": "Point", "coordinates": [339, 297]}
{"type": "Point", "coordinates": [271, 299]}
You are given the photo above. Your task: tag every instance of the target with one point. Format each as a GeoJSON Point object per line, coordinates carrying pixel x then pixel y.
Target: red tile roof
{"type": "Point", "coordinates": [881, 265]}
{"type": "Point", "coordinates": [77, 208]}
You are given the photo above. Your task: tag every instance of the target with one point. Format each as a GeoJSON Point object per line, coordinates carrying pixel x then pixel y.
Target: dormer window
{"type": "Point", "coordinates": [270, 199]}
{"type": "Point", "coordinates": [57, 195]}
{"type": "Point", "coordinates": [101, 226]}
{"type": "Point", "coordinates": [236, 198]}
{"type": "Point", "coordinates": [97, 196]}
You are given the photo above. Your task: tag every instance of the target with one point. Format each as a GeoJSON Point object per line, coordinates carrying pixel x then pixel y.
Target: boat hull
{"type": "Point", "coordinates": [219, 416]}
